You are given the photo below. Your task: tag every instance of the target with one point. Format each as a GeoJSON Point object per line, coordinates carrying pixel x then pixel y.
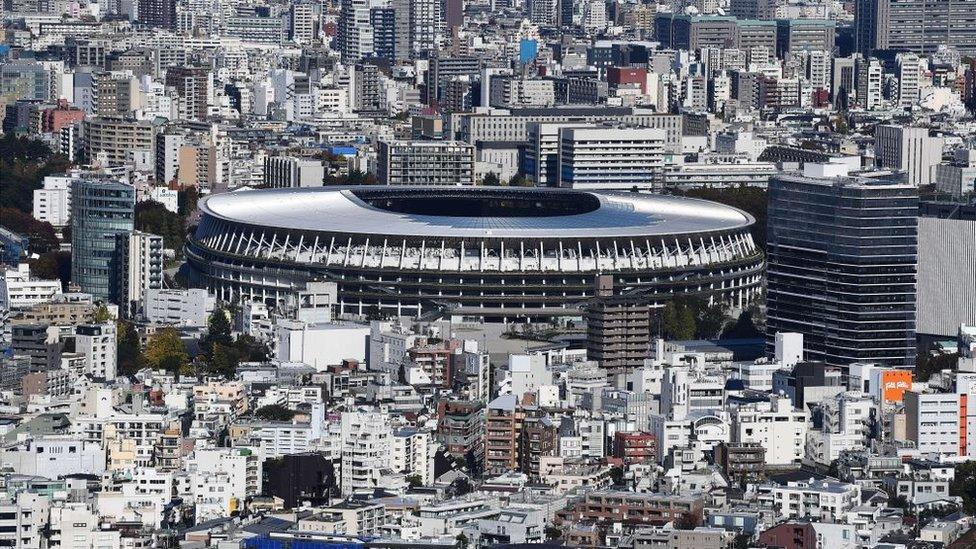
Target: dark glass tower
{"type": "Point", "coordinates": [842, 267]}
{"type": "Point", "coordinates": [100, 209]}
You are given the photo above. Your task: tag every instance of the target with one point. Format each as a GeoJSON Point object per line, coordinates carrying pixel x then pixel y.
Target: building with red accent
{"type": "Point", "coordinates": [53, 119]}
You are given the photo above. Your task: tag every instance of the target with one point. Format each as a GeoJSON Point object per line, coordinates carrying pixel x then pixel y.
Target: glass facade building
{"type": "Point", "coordinates": [100, 209]}
{"type": "Point", "coordinates": [842, 267]}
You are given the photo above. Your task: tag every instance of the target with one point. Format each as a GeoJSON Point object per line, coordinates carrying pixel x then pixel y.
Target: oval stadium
{"type": "Point", "coordinates": [489, 253]}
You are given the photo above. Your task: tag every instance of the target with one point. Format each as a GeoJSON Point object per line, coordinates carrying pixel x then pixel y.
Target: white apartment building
{"type": "Point", "coordinates": [189, 308]}
{"type": "Point", "coordinates": [23, 519]}
{"type": "Point", "coordinates": [54, 456]}
{"type": "Point", "coordinates": [932, 422]}
{"type": "Point", "coordinates": [18, 289]}
{"type": "Point", "coordinates": [826, 501]}
{"type": "Point", "coordinates": [52, 202]}
{"type": "Point", "coordinates": [776, 425]}
{"type": "Point", "coordinates": [279, 439]}
{"type": "Point", "coordinates": [611, 158]}
{"type": "Point", "coordinates": [242, 467]}
{"type": "Point", "coordinates": [97, 343]}
{"type": "Point", "coordinates": [140, 267]}
{"type": "Point", "coordinates": [910, 150]}
{"type": "Point", "coordinates": [366, 450]}
{"type": "Point", "coordinates": [413, 454]}
{"type": "Point", "coordinates": [910, 71]}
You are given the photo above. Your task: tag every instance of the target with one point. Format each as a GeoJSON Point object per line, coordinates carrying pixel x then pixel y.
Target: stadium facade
{"type": "Point", "coordinates": [487, 253]}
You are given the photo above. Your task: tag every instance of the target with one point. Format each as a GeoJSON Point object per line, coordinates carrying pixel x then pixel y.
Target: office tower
{"type": "Point", "coordinates": [909, 78]}
{"type": "Point", "coordinates": [289, 171]}
{"type": "Point", "coordinates": [194, 88]}
{"type": "Point", "coordinates": [25, 80]}
{"type": "Point", "coordinates": [956, 178]}
{"type": "Point", "coordinates": [454, 13]}
{"type": "Point", "coordinates": [914, 25]}
{"type": "Point", "coordinates": [842, 84]}
{"type": "Point", "coordinates": [138, 267]}
{"type": "Point", "coordinates": [841, 267]}
{"type": "Point", "coordinates": [946, 255]}
{"type": "Point", "coordinates": [425, 163]}
{"type": "Point", "coordinates": [794, 35]}
{"type": "Point", "coordinates": [610, 158]}
{"type": "Point", "coordinates": [100, 209]}
{"type": "Point", "coordinates": [867, 79]}
{"type": "Point", "coordinates": [908, 149]}
{"type": "Point", "coordinates": [158, 13]}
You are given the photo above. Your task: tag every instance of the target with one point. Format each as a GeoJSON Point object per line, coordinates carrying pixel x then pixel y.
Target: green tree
{"type": "Point", "coordinates": [102, 314]}
{"type": "Point", "coordinates": [678, 321]}
{"type": "Point", "coordinates": [710, 320]}
{"type": "Point", "coordinates": [130, 357]}
{"type": "Point", "coordinates": [491, 180]}
{"type": "Point", "coordinates": [223, 361]}
{"type": "Point", "coordinates": [249, 349]}
{"type": "Point", "coordinates": [414, 481]}
{"type": "Point", "coordinates": [53, 265]}
{"type": "Point", "coordinates": [274, 412]}
{"type": "Point", "coordinates": [24, 163]}
{"type": "Point", "coordinates": [166, 351]}
{"type": "Point", "coordinates": [187, 200]}
{"type": "Point", "coordinates": [519, 180]}
{"type": "Point", "coordinates": [40, 235]}
{"type": "Point", "coordinates": [153, 217]}
{"type": "Point", "coordinates": [218, 331]}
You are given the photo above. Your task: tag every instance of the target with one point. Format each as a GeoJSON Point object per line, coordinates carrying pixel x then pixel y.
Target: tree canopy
{"type": "Point", "coordinates": [166, 351]}
{"type": "Point", "coordinates": [153, 217]}
{"type": "Point", "coordinates": [24, 163]}
{"type": "Point", "coordinates": [274, 412]}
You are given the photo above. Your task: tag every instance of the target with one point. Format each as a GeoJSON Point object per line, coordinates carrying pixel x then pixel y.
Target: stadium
{"type": "Point", "coordinates": [485, 253]}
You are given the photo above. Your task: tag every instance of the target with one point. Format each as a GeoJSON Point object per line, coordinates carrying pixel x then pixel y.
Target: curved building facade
{"type": "Point", "coordinates": [489, 253]}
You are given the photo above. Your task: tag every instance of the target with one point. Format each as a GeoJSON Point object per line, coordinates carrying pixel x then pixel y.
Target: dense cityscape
{"type": "Point", "coordinates": [472, 274]}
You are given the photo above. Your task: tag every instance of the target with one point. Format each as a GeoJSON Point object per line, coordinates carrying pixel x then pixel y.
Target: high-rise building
{"type": "Point", "coordinates": [946, 255]}
{"type": "Point", "coordinates": [910, 150]}
{"type": "Point", "coordinates": [194, 88]}
{"type": "Point", "coordinates": [841, 267]}
{"type": "Point", "coordinates": [115, 141]}
{"type": "Point", "coordinates": [618, 328]}
{"type": "Point", "coordinates": [909, 78]}
{"type": "Point", "coordinates": [868, 78]}
{"type": "Point", "coordinates": [138, 267]}
{"type": "Point", "coordinates": [366, 449]}
{"type": "Point", "coordinates": [611, 158]}
{"type": "Point", "coordinates": [919, 26]}
{"type": "Point", "coordinates": [158, 13]}
{"type": "Point", "coordinates": [100, 210]}
{"type": "Point", "coordinates": [304, 22]}
{"type": "Point", "coordinates": [355, 31]}
{"type": "Point", "coordinates": [425, 163]}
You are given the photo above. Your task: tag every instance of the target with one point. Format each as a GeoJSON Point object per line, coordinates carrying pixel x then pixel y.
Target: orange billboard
{"type": "Point", "coordinates": [894, 383]}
